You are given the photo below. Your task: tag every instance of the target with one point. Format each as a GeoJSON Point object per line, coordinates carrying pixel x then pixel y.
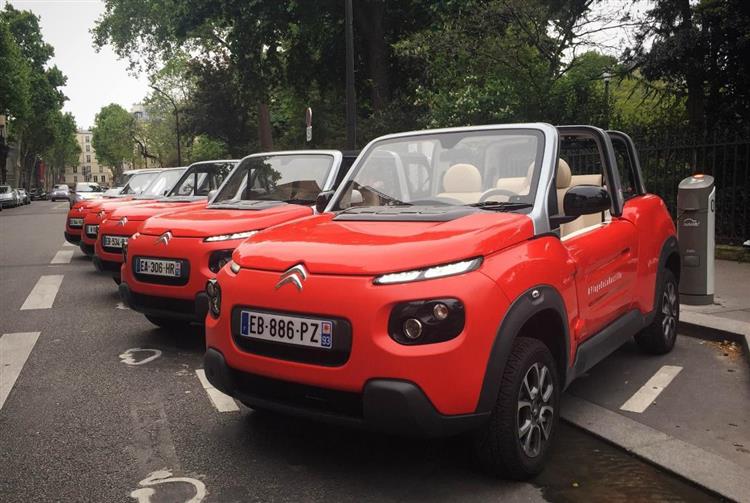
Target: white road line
{"type": "Point", "coordinates": [67, 244]}
{"type": "Point", "coordinates": [222, 402]}
{"type": "Point", "coordinates": [44, 293]}
{"type": "Point", "coordinates": [14, 351]}
{"type": "Point", "coordinates": [653, 387]}
{"type": "Point", "coordinates": [62, 257]}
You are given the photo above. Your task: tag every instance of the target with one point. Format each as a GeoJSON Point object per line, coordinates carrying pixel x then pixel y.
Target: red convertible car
{"type": "Point", "coordinates": [74, 222]}
{"type": "Point", "coordinates": [168, 262]}
{"type": "Point", "coordinates": [457, 281]}
{"type": "Point", "coordinates": [192, 190]}
{"type": "Point", "coordinates": [159, 187]}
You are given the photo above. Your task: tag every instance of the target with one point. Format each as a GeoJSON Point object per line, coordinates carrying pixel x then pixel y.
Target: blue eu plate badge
{"type": "Point", "coordinates": [326, 331]}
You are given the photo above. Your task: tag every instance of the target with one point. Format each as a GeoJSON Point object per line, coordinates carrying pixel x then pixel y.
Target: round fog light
{"type": "Point", "coordinates": [412, 328]}
{"type": "Point", "coordinates": [440, 311]}
{"type": "Point", "coordinates": [210, 288]}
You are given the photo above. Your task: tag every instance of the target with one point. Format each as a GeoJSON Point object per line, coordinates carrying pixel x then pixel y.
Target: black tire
{"type": "Point", "coordinates": [659, 337]}
{"type": "Point", "coordinates": [499, 446]}
{"type": "Point", "coordinates": [168, 323]}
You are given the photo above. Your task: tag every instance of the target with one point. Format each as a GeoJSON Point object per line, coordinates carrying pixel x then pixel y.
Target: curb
{"type": "Point", "coordinates": [706, 326]}
{"type": "Point", "coordinates": [698, 466]}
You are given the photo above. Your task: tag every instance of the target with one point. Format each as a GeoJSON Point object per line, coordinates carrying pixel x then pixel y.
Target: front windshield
{"type": "Point", "coordinates": [205, 176]}
{"type": "Point", "coordinates": [452, 168]}
{"type": "Point", "coordinates": [88, 187]}
{"type": "Point", "coordinates": [138, 182]}
{"type": "Point", "coordinates": [294, 178]}
{"type": "Point", "coordinates": [122, 179]}
{"type": "Point", "coordinates": [163, 183]}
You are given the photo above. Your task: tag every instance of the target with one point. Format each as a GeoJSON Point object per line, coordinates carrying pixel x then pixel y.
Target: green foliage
{"type": "Point", "coordinates": [205, 148]}
{"type": "Point", "coordinates": [64, 149]}
{"type": "Point", "coordinates": [113, 136]}
{"type": "Point", "coordinates": [15, 92]}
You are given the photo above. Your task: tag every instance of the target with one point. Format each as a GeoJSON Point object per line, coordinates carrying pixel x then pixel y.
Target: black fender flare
{"type": "Point", "coordinates": [534, 300]}
{"type": "Point", "coordinates": [670, 247]}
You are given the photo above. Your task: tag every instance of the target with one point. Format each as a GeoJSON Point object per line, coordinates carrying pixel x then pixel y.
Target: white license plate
{"type": "Point", "coordinates": [113, 241]}
{"type": "Point", "coordinates": [296, 330]}
{"type": "Point", "coordinates": [75, 222]}
{"type": "Point", "coordinates": [92, 229]}
{"type": "Point", "coordinates": [159, 267]}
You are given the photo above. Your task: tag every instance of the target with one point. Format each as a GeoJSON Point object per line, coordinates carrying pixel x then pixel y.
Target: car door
{"type": "Point", "coordinates": [605, 253]}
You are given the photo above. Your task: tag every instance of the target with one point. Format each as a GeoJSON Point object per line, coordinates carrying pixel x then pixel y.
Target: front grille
{"type": "Point", "coordinates": [164, 280]}
{"type": "Point", "coordinates": [334, 357]}
{"type": "Point", "coordinates": [162, 303]}
{"type": "Point", "coordinates": [343, 403]}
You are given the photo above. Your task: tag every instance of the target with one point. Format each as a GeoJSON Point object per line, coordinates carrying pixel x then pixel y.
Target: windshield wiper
{"type": "Point", "coordinates": [299, 201]}
{"type": "Point", "coordinates": [500, 205]}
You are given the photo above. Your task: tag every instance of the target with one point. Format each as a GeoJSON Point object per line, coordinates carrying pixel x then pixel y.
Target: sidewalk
{"type": "Point", "coordinates": [729, 315]}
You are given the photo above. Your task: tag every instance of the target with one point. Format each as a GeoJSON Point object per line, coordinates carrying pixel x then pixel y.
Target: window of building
{"type": "Point", "coordinates": [95, 179]}
{"type": "Point", "coordinates": [88, 158]}
{"type": "Point", "coordinates": [75, 179]}
{"type": "Point", "coordinates": [101, 170]}
{"type": "Point", "coordinates": [104, 178]}
{"type": "Point", "coordinates": [75, 169]}
{"type": "Point", "coordinates": [88, 148]}
{"type": "Point", "coordinates": [88, 139]}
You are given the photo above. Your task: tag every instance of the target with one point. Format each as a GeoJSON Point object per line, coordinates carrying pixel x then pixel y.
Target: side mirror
{"type": "Point", "coordinates": [212, 193]}
{"type": "Point", "coordinates": [586, 200]}
{"type": "Point", "coordinates": [322, 200]}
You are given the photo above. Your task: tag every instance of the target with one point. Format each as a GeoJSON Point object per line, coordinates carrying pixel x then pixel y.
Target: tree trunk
{"type": "Point", "coordinates": [369, 17]}
{"type": "Point", "coordinates": [694, 73]}
{"type": "Point", "coordinates": [265, 135]}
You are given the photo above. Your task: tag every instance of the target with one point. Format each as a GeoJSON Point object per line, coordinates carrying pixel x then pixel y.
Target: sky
{"type": "Point", "coordinates": [94, 79]}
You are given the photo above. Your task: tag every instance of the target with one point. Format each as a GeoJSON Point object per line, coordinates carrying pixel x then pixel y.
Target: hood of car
{"type": "Point", "coordinates": [141, 212]}
{"type": "Point", "coordinates": [329, 246]}
{"type": "Point", "coordinates": [216, 221]}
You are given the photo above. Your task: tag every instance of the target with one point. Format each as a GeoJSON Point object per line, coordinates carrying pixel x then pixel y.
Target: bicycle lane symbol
{"type": "Point", "coordinates": [145, 493]}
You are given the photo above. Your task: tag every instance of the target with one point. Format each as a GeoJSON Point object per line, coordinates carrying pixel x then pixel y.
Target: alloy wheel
{"type": "Point", "coordinates": [535, 409]}
{"type": "Point", "coordinates": [669, 311]}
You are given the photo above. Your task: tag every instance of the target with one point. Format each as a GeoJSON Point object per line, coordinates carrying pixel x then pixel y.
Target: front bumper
{"type": "Point", "coordinates": [73, 239]}
{"type": "Point", "coordinates": [86, 248]}
{"type": "Point", "coordinates": [162, 307]}
{"type": "Point", "coordinates": [106, 266]}
{"type": "Point", "coordinates": [390, 405]}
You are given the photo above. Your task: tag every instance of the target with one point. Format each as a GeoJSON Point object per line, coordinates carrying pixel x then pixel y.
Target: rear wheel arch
{"type": "Point", "coordinates": [538, 313]}
{"type": "Point", "coordinates": [669, 258]}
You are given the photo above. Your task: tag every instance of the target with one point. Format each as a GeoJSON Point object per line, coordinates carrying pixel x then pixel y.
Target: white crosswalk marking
{"type": "Point", "coordinates": [44, 293]}
{"type": "Point", "coordinates": [14, 351]}
{"type": "Point", "coordinates": [62, 257]}
{"type": "Point", "coordinates": [67, 244]}
{"type": "Point", "coordinates": [222, 402]}
{"type": "Point", "coordinates": [653, 388]}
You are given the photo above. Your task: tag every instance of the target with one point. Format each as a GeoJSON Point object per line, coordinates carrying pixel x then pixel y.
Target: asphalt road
{"type": "Point", "coordinates": [84, 423]}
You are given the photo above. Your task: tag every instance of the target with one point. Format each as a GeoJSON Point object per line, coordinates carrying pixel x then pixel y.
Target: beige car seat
{"type": "Point", "coordinates": [462, 182]}
{"type": "Point", "coordinates": [517, 184]}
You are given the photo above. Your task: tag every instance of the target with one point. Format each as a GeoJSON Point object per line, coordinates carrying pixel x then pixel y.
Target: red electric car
{"type": "Point", "coordinates": [74, 222]}
{"type": "Point", "coordinates": [457, 281]}
{"type": "Point", "coordinates": [191, 191]}
{"type": "Point", "coordinates": [169, 261]}
{"type": "Point", "coordinates": [159, 187]}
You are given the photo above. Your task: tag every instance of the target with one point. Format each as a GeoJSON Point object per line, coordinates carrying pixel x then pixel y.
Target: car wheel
{"type": "Point", "coordinates": [515, 441]}
{"type": "Point", "coordinates": [660, 336]}
{"type": "Point", "coordinates": [168, 323]}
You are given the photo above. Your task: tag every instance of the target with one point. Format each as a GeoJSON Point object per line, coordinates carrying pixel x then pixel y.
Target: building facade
{"type": "Point", "coordinates": [88, 168]}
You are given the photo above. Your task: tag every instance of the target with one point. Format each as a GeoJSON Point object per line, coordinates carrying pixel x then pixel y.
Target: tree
{"type": "Point", "coordinates": [64, 150]}
{"type": "Point", "coordinates": [699, 51]}
{"type": "Point", "coordinates": [205, 148]}
{"type": "Point", "coordinates": [114, 136]}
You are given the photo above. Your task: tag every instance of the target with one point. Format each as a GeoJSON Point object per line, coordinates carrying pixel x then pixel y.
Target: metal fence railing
{"type": "Point", "coordinates": [665, 160]}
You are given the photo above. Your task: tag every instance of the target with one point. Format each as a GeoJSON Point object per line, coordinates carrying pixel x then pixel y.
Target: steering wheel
{"type": "Point", "coordinates": [442, 200]}
{"type": "Point", "coordinates": [497, 192]}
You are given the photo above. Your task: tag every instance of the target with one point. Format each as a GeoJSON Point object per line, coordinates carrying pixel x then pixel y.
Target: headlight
{"type": "Point", "coordinates": [438, 271]}
{"type": "Point", "coordinates": [227, 237]}
{"type": "Point", "coordinates": [219, 259]}
{"type": "Point", "coordinates": [213, 290]}
{"type": "Point", "coordinates": [426, 321]}
{"type": "Point", "coordinates": [125, 251]}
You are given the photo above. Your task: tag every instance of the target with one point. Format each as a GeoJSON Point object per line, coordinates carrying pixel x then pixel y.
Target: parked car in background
{"type": "Point", "coordinates": [23, 196]}
{"type": "Point", "coordinates": [38, 194]}
{"type": "Point", "coordinates": [61, 191]}
{"type": "Point", "coordinates": [84, 191]}
{"type": "Point", "coordinates": [8, 197]}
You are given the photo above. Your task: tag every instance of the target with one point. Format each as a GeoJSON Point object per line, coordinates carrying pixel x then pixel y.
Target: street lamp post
{"type": "Point", "coordinates": [176, 121]}
{"type": "Point", "coordinates": [606, 76]}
